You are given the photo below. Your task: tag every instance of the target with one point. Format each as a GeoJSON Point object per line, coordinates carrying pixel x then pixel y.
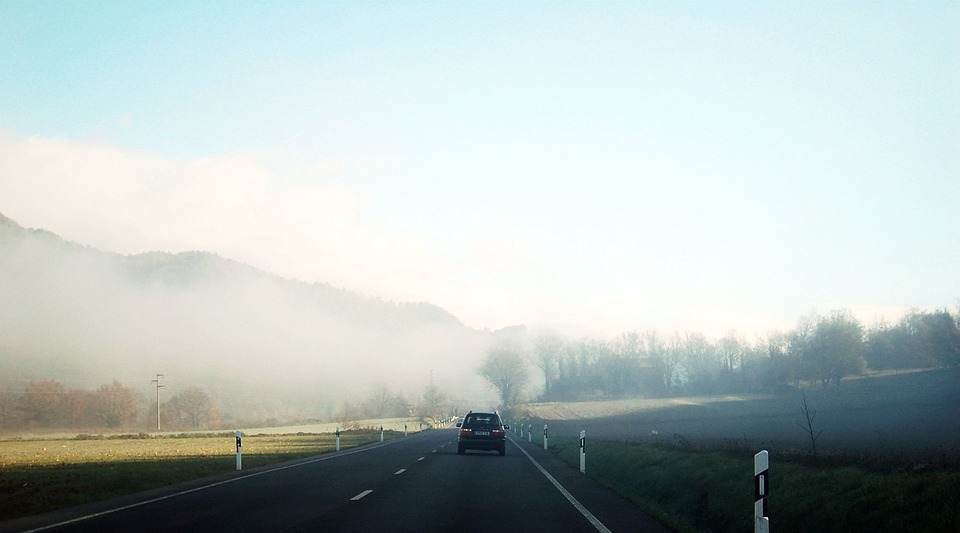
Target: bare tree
{"type": "Point", "coordinates": [44, 403]}
{"type": "Point", "coordinates": [730, 350]}
{"type": "Point", "coordinates": [349, 415]}
{"type": "Point", "coordinates": [800, 348]}
{"type": "Point", "coordinates": [699, 360]}
{"type": "Point", "coordinates": [807, 425]}
{"type": "Point", "coordinates": [504, 369]}
{"type": "Point", "coordinates": [837, 348]}
{"type": "Point", "coordinates": [774, 349]}
{"type": "Point", "coordinates": [665, 358]}
{"type": "Point", "coordinates": [547, 350]}
{"type": "Point", "coordinates": [379, 401]}
{"type": "Point", "coordinates": [432, 402]}
{"type": "Point", "coordinates": [8, 404]}
{"type": "Point", "coordinates": [114, 405]}
{"type": "Point", "coordinates": [629, 344]}
{"type": "Point", "coordinates": [193, 408]}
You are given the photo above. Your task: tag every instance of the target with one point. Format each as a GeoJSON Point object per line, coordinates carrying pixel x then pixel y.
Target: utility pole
{"type": "Point", "coordinates": [159, 386]}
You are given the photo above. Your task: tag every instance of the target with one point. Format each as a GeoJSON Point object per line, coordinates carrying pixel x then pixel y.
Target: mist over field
{"type": "Point", "coordinates": [259, 344]}
{"type": "Point", "coordinates": [269, 350]}
{"type": "Point", "coordinates": [290, 212]}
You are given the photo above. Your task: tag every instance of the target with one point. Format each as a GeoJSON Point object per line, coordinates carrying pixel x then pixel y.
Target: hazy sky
{"type": "Point", "coordinates": [607, 166]}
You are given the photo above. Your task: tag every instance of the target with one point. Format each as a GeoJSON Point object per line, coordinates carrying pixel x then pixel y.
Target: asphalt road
{"type": "Point", "coordinates": [417, 483]}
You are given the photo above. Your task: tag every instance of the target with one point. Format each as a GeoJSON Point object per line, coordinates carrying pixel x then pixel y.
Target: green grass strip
{"type": "Point", "coordinates": [706, 491]}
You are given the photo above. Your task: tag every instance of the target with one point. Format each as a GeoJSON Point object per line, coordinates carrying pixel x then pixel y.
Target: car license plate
{"type": "Point", "coordinates": [482, 433]}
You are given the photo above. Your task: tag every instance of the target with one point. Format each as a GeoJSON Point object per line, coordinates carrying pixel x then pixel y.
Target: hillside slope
{"type": "Point", "coordinates": [85, 317]}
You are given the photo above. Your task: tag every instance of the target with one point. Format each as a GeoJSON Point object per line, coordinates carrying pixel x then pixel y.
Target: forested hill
{"type": "Point", "coordinates": [74, 313]}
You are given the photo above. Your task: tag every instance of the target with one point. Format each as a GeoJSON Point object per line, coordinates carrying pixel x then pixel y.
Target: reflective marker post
{"type": "Point", "coordinates": [338, 438]}
{"type": "Point", "coordinates": [239, 450]}
{"type": "Point", "coordinates": [381, 433]}
{"type": "Point", "coordinates": [529, 432]}
{"type": "Point", "coordinates": [583, 452]}
{"type": "Point", "coordinates": [544, 436]}
{"type": "Point", "coordinates": [761, 489]}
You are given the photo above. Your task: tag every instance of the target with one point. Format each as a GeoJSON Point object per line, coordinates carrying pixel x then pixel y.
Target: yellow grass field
{"type": "Point", "coordinates": [46, 474]}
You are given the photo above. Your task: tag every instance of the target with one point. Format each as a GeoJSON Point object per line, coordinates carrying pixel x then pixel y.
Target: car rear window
{"type": "Point", "coordinates": [482, 420]}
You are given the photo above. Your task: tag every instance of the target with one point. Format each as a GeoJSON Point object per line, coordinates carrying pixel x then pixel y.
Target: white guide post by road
{"type": "Point", "coordinates": [583, 452]}
{"type": "Point", "coordinates": [239, 450]}
{"type": "Point", "coordinates": [761, 486]}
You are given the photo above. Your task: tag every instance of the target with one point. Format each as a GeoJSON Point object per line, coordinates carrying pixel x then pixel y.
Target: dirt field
{"type": "Point", "coordinates": [907, 413]}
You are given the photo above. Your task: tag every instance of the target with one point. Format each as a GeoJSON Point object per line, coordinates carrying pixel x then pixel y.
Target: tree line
{"type": "Point", "coordinates": [431, 405]}
{"type": "Point", "coordinates": [821, 349]}
{"type": "Point", "coordinates": [49, 405]}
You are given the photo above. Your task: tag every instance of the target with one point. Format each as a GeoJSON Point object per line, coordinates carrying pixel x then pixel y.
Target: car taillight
{"type": "Point", "coordinates": [497, 433]}
{"type": "Point", "coordinates": [464, 432]}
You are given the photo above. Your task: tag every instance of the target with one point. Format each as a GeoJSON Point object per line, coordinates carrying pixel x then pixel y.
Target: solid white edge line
{"type": "Point", "coordinates": [204, 487]}
{"type": "Point", "coordinates": [583, 510]}
{"type": "Point", "coordinates": [361, 495]}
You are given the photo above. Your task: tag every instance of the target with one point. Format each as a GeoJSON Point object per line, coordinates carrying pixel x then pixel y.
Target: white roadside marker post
{"type": "Point", "coordinates": [583, 452]}
{"type": "Point", "coordinates": [381, 433]}
{"type": "Point", "coordinates": [761, 489]}
{"type": "Point", "coordinates": [338, 438]}
{"type": "Point", "coordinates": [544, 436]}
{"type": "Point", "coordinates": [529, 432]}
{"type": "Point", "coordinates": [404, 430]}
{"type": "Point", "coordinates": [239, 451]}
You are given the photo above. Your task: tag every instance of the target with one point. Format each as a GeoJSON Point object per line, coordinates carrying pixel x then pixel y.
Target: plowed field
{"type": "Point", "coordinates": [913, 412]}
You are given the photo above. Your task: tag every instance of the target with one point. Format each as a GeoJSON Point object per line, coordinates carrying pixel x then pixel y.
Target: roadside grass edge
{"type": "Point", "coordinates": [711, 490]}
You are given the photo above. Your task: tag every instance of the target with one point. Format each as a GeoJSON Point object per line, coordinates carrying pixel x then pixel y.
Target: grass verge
{"type": "Point", "coordinates": [43, 475]}
{"type": "Point", "coordinates": [712, 490]}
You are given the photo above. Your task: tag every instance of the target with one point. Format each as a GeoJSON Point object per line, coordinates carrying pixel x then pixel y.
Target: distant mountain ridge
{"type": "Point", "coordinates": [200, 266]}
{"type": "Point", "coordinates": [72, 312]}
{"type": "Point", "coordinates": [206, 267]}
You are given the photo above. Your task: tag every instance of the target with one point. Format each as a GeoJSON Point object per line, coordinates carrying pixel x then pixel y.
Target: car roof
{"type": "Point", "coordinates": [481, 417]}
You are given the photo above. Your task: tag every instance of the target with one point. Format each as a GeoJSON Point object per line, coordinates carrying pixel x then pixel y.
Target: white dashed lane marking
{"type": "Point", "coordinates": [361, 495]}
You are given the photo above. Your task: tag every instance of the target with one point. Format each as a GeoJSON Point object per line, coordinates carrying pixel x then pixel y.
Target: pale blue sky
{"type": "Point", "coordinates": [597, 166]}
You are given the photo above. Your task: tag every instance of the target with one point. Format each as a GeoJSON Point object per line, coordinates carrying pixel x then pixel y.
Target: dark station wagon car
{"type": "Point", "coordinates": [482, 431]}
